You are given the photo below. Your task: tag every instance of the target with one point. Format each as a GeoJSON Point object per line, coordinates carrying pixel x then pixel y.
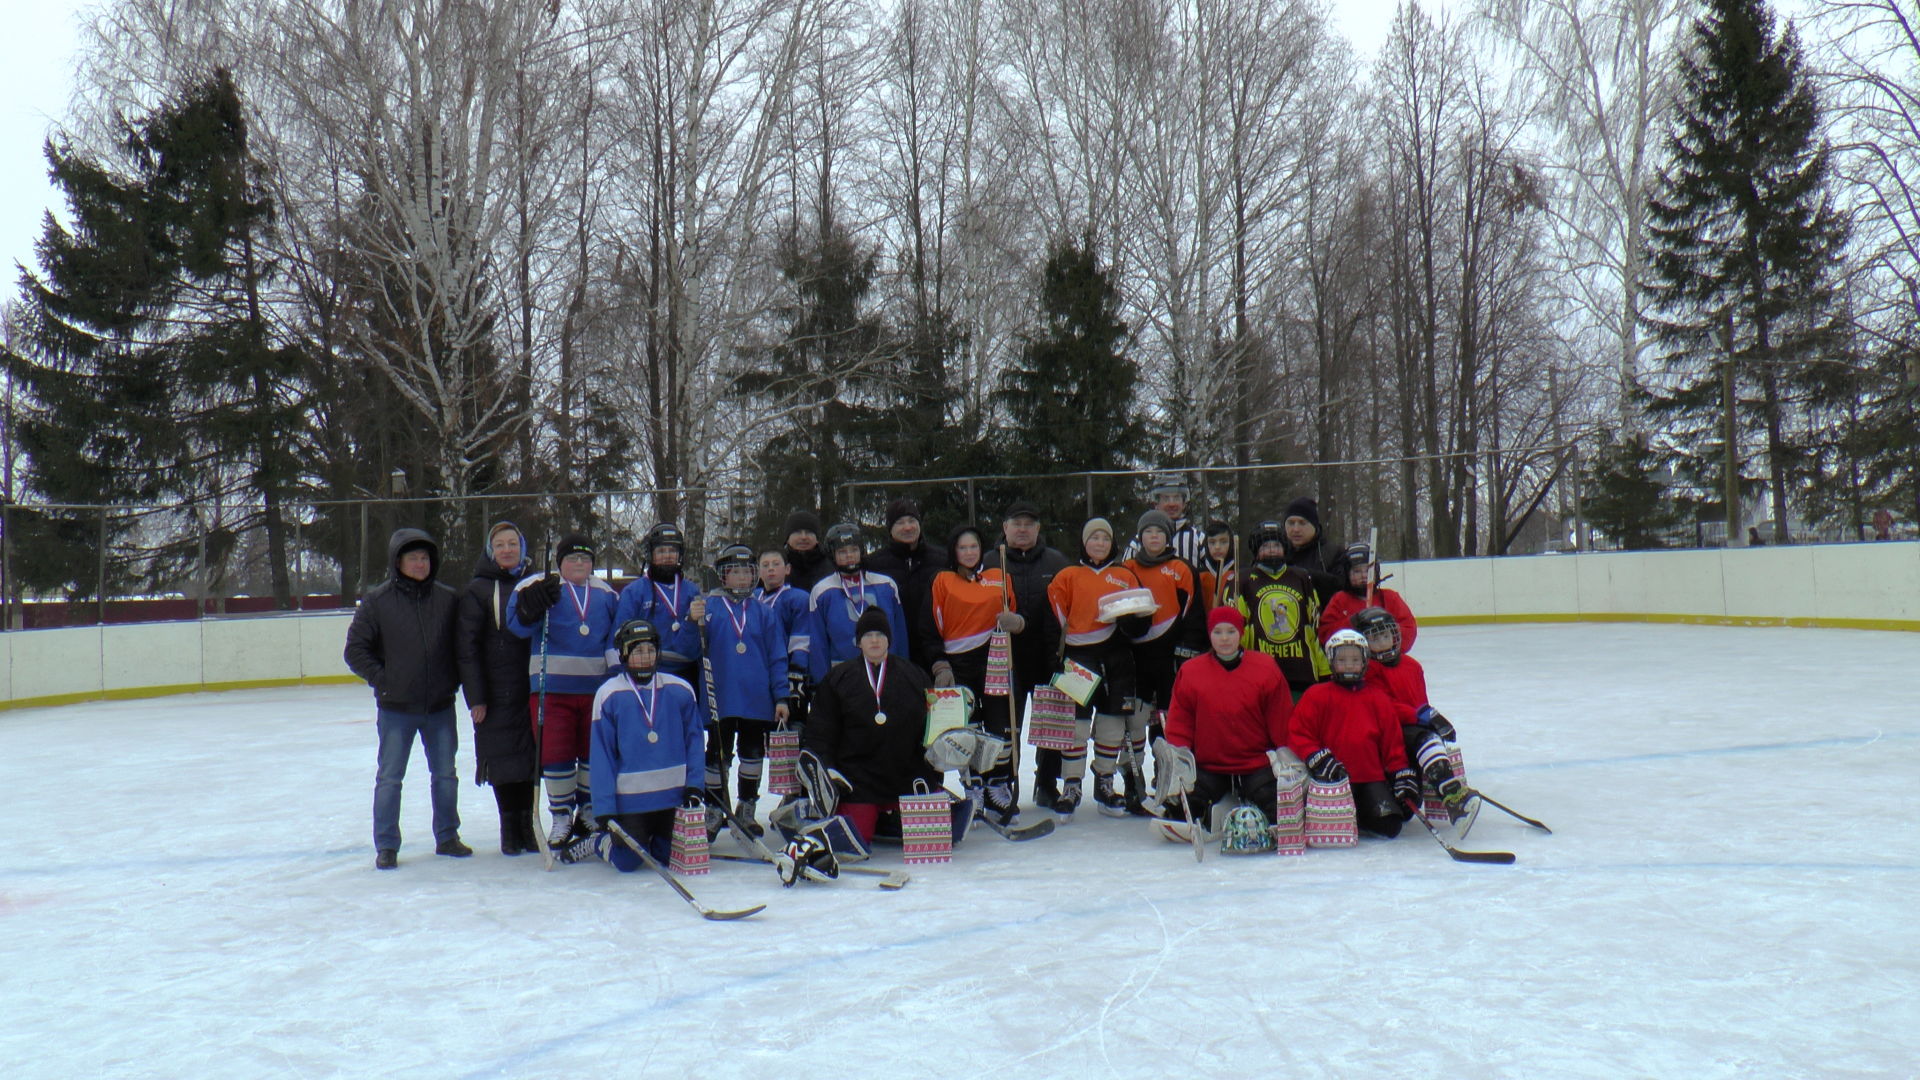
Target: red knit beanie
{"type": "Point", "coordinates": [1224, 614]}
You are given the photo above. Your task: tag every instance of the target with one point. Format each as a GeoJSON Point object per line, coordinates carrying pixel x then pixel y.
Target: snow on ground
{"type": "Point", "coordinates": [188, 890]}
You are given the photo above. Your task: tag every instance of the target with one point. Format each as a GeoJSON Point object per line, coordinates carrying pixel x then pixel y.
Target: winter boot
{"type": "Point", "coordinates": [386, 859]}
{"type": "Point", "coordinates": [510, 834]}
{"type": "Point", "coordinates": [1136, 786]}
{"type": "Point", "coordinates": [452, 846]}
{"type": "Point", "coordinates": [1069, 799]}
{"type": "Point", "coordinates": [1105, 799]}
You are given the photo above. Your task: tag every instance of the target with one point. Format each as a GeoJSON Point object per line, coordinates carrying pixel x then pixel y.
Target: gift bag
{"type": "Point", "coordinates": [999, 664]}
{"type": "Point", "coordinates": [783, 755]}
{"type": "Point", "coordinates": [1077, 681]}
{"type": "Point", "coordinates": [1432, 807]}
{"type": "Point", "coordinates": [926, 825]}
{"type": "Point", "coordinates": [1330, 815]}
{"type": "Point", "coordinates": [688, 855]}
{"type": "Point", "coordinates": [947, 708]}
{"type": "Point", "coordinates": [1290, 817]}
{"type": "Point", "coordinates": [1050, 721]}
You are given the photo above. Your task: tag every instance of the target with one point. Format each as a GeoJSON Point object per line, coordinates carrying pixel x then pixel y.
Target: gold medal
{"type": "Point", "coordinates": [653, 736]}
{"type": "Point", "coordinates": [879, 718]}
{"type": "Point", "coordinates": [584, 631]}
{"type": "Point", "coordinates": [740, 647]}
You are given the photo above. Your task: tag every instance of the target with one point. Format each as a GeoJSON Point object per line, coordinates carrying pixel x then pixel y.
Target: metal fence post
{"type": "Point", "coordinates": [103, 566]}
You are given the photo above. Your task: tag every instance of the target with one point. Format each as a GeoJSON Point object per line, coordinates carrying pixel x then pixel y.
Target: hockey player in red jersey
{"type": "Point", "coordinates": [1349, 727]}
{"type": "Point", "coordinates": [1423, 730]}
{"type": "Point", "coordinates": [1342, 606]}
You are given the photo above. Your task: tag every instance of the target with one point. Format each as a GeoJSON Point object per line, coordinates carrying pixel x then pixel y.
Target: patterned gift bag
{"type": "Point", "coordinates": [688, 855]}
{"type": "Point", "coordinates": [926, 825]}
{"type": "Point", "coordinates": [1432, 807]}
{"type": "Point", "coordinates": [1000, 664]}
{"type": "Point", "coordinates": [783, 754]}
{"type": "Point", "coordinates": [1290, 818]}
{"type": "Point", "coordinates": [1050, 720]}
{"type": "Point", "coordinates": [1330, 815]}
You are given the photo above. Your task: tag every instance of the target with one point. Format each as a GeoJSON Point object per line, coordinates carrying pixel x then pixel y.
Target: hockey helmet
{"type": "Point", "coordinates": [1382, 632]}
{"type": "Point", "coordinates": [735, 556]}
{"type": "Point", "coordinates": [1168, 483]}
{"type": "Point", "coordinates": [634, 632]}
{"type": "Point", "coordinates": [843, 535]}
{"type": "Point", "coordinates": [1267, 532]}
{"type": "Point", "coordinates": [665, 534]}
{"type": "Point", "coordinates": [1347, 656]}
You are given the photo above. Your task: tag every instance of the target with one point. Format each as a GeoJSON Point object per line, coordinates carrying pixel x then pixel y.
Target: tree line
{"type": "Point", "coordinates": [1655, 254]}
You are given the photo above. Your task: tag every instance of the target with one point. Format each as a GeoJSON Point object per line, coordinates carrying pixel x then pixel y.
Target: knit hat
{"type": "Point", "coordinates": [1092, 526]}
{"type": "Point", "coordinates": [1225, 614]}
{"type": "Point", "coordinates": [904, 506]}
{"type": "Point", "coordinates": [872, 621]}
{"type": "Point", "coordinates": [1304, 507]}
{"type": "Point", "coordinates": [573, 544]}
{"type": "Point", "coordinates": [1154, 519]}
{"type": "Point", "coordinates": [802, 521]}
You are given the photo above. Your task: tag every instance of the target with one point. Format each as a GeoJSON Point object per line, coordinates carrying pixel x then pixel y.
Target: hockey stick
{"type": "Point", "coordinates": [1373, 572]}
{"type": "Point", "coordinates": [540, 738]}
{"type": "Point", "coordinates": [654, 864]}
{"type": "Point", "coordinates": [893, 879]}
{"type": "Point", "coordinates": [1508, 810]}
{"type": "Point", "coordinates": [1502, 858]}
{"type": "Point", "coordinates": [1020, 833]}
{"type": "Point", "coordinates": [1193, 830]}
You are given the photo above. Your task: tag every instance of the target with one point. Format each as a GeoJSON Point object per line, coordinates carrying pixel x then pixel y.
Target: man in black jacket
{"type": "Point", "coordinates": [402, 643]}
{"type": "Point", "coordinates": [1030, 568]}
{"type": "Point", "coordinates": [912, 562]}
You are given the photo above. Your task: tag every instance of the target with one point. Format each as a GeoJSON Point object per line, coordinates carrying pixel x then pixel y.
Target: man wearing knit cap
{"type": "Point", "coordinates": [1230, 708]}
{"type": "Point", "coordinates": [912, 562]}
{"type": "Point", "coordinates": [1030, 568]}
{"type": "Point", "coordinates": [1307, 547]}
{"type": "Point", "coordinates": [806, 561]}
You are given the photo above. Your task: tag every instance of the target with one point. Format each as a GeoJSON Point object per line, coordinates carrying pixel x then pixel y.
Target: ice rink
{"type": "Point", "coordinates": [188, 890]}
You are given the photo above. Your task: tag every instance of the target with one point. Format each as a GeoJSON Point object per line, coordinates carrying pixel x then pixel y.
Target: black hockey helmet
{"type": "Point", "coordinates": [634, 632]}
{"type": "Point", "coordinates": [843, 534]}
{"type": "Point", "coordinates": [1377, 626]}
{"type": "Point", "coordinates": [1359, 553]}
{"type": "Point", "coordinates": [1267, 532]}
{"type": "Point", "coordinates": [731, 556]}
{"type": "Point", "coordinates": [665, 534]}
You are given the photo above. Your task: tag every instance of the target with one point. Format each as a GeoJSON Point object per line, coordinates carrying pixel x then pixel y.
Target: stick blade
{"type": "Point", "coordinates": [728, 916]}
{"type": "Point", "coordinates": [1496, 858]}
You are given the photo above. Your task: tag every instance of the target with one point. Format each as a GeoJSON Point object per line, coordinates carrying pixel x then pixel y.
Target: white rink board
{"type": "Point", "coordinates": [1728, 894]}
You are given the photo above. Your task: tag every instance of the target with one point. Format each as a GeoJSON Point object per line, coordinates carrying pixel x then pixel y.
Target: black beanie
{"type": "Point", "coordinates": [872, 621]}
{"type": "Point", "coordinates": [1304, 507]}
{"type": "Point", "coordinates": [802, 521]}
{"type": "Point", "coordinates": [904, 506]}
{"type": "Point", "coordinates": [573, 544]}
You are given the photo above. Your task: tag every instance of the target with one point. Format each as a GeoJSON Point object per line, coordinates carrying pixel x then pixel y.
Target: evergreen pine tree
{"type": "Point", "coordinates": [1069, 398]}
{"type": "Point", "coordinates": [1625, 496]}
{"type": "Point", "coordinates": [1742, 241]}
{"type": "Point", "coordinates": [151, 370]}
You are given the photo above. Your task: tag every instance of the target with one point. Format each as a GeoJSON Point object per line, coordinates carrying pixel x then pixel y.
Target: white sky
{"type": "Point", "coordinates": [36, 64]}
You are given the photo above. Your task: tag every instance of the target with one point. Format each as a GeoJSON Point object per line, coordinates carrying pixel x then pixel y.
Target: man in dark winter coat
{"type": "Point", "coordinates": [912, 562]}
{"type": "Point", "coordinates": [494, 681]}
{"type": "Point", "coordinates": [1030, 569]}
{"type": "Point", "coordinates": [869, 716]}
{"type": "Point", "coordinates": [1307, 547]}
{"type": "Point", "coordinates": [806, 561]}
{"type": "Point", "coordinates": [402, 643]}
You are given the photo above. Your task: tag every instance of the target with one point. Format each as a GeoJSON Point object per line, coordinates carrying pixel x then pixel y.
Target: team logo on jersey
{"type": "Point", "coordinates": [1279, 614]}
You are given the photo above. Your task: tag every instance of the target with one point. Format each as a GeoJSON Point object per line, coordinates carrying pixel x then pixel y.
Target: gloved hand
{"type": "Point", "coordinates": [534, 601]}
{"type": "Point", "coordinates": [1406, 790]}
{"type": "Point", "coordinates": [1430, 716]}
{"type": "Point", "coordinates": [1326, 768]}
{"type": "Point", "coordinates": [697, 611]}
{"type": "Point", "coordinates": [1010, 621]}
{"type": "Point", "coordinates": [942, 674]}
{"type": "Point", "coordinates": [693, 798]}
{"type": "Point", "coordinates": [797, 684]}
{"type": "Point", "coordinates": [1133, 625]}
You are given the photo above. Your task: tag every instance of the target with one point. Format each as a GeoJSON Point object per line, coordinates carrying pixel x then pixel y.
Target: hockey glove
{"type": "Point", "coordinates": [1406, 789]}
{"type": "Point", "coordinates": [538, 599]}
{"type": "Point", "coordinates": [1430, 717]}
{"type": "Point", "coordinates": [1011, 622]}
{"type": "Point", "coordinates": [1326, 768]}
{"type": "Point", "coordinates": [797, 684]}
{"type": "Point", "coordinates": [942, 674]}
{"type": "Point", "coordinates": [1133, 625]}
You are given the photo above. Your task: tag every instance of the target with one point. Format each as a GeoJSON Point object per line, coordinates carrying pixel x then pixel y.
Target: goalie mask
{"type": "Point", "coordinates": [1347, 655]}
{"type": "Point", "coordinates": [1382, 633]}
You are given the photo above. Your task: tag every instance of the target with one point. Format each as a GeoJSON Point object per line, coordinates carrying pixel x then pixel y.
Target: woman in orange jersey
{"type": "Point", "coordinates": [1093, 642]}
{"type": "Point", "coordinates": [964, 607]}
{"type": "Point", "coordinates": [1175, 634]}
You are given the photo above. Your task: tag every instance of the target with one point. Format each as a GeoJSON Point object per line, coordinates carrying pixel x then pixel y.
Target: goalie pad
{"type": "Point", "coordinates": [967, 750]}
{"type": "Point", "coordinates": [818, 782]}
{"type": "Point", "coordinates": [838, 835]}
{"type": "Point", "coordinates": [1174, 772]}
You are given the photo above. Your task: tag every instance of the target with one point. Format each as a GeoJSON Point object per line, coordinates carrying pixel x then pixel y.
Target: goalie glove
{"type": "Point", "coordinates": [1174, 771]}
{"type": "Point", "coordinates": [1324, 767]}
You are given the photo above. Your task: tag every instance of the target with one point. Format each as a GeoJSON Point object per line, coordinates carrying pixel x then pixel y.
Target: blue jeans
{"type": "Point", "coordinates": [440, 738]}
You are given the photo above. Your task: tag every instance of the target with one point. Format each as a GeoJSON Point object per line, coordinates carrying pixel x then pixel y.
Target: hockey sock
{"type": "Point", "coordinates": [561, 781]}
{"type": "Point", "coordinates": [582, 789]}
{"type": "Point", "coordinates": [750, 778]}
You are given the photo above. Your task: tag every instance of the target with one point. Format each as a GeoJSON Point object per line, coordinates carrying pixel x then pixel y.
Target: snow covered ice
{"type": "Point", "coordinates": [188, 890]}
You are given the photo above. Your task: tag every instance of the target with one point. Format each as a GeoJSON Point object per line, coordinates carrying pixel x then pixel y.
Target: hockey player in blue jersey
{"type": "Point", "coordinates": [747, 653]}
{"type": "Point", "coordinates": [667, 598]}
{"type": "Point", "coordinates": [569, 619]}
{"type": "Point", "coordinates": [648, 753]}
{"type": "Point", "coordinates": [788, 604]}
{"type": "Point", "coordinates": [839, 599]}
